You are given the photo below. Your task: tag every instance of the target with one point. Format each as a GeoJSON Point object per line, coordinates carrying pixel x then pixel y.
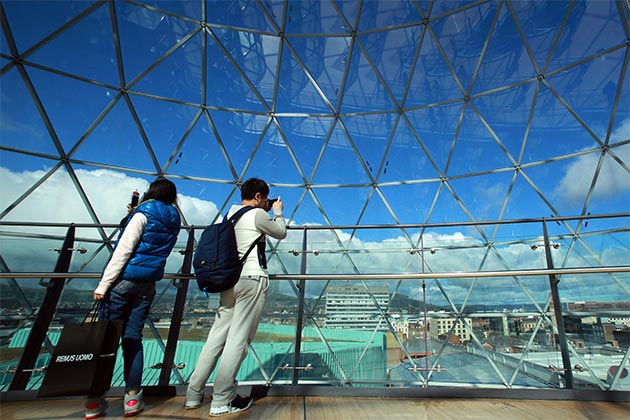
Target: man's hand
{"type": "Point", "coordinates": [98, 296]}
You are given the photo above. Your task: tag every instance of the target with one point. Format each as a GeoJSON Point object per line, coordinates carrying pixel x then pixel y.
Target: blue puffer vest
{"type": "Point", "coordinates": [160, 234]}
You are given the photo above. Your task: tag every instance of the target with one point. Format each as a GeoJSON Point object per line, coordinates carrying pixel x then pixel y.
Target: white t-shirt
{"type": "Point", "coordinates": [248, 229]}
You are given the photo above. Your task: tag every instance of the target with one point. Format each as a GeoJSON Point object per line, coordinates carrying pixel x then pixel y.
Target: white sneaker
{"type": "Point", "coordinates": [238, 404]}
{"type": "Point", "coordinates": [95, 408]}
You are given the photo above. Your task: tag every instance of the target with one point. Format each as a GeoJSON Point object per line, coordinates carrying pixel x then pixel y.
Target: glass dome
{"type": "Point", "coordinates": [371, 119]}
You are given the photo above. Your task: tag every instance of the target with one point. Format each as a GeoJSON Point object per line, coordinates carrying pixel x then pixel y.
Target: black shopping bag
{"type": "Point", "coordinates": [83, 360]}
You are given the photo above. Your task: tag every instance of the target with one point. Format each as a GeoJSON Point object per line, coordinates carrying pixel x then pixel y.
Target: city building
{"type": "Point", "coordinates": [355, 307]}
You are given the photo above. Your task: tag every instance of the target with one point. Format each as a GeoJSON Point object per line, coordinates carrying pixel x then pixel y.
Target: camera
{"type": "Point", "coordinates": [270, 202]}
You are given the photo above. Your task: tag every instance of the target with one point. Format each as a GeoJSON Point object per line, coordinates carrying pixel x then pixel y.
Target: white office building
{"type": "Point", "coordinates": [355, 307]}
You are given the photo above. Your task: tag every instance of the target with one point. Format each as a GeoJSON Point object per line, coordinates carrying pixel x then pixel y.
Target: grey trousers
{"type": "Point", "coordinates": [234, 328]}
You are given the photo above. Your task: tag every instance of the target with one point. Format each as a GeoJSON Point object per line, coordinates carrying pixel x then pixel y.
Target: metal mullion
{"type": "Point", "coordinates": [162, 58]}
{"type": "Point", "coordinates": [238, 69]}
{"type": "Point", "coordinates": [117, 48]}
{"type": "Point", "coordinates": [143, 135]}
{"type": "Point", "coordinates": [556, 40]}
{"type": "Point", "coordinates": [289, 148]}
{"type": "Point", "coordinates": [182, 141]}
{"type": "Point", "coordinates": [219, 140]}
{"type": "Point", "coordinates": [482, 54]}
{"type": "Point", "coordinates": [46, 40]}
{"type": "Point", "coordinates": [261, 137]}
{"type": "Point", "coordinates": [30, 190]}
{"type": "Point", "coordinates": [613, 112]}
{"type": "Point", "coordinates": [532, 59]}
{"type": "Point", "coordinates": [624, 362]}
{"type": "Point", "coordinates": [527, 347]}
{"type": "Point", "coordinates": [414, 62]}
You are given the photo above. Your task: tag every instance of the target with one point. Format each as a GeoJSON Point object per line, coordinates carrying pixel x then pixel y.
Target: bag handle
{"type": "Point", "coordinates": [92, 314]}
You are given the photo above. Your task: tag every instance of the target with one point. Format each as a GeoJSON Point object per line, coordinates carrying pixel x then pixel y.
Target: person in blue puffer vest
{"type": "Point", "coordinates": [147, 238]}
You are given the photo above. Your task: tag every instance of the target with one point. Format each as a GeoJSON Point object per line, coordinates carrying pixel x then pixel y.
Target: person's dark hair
{"type": "Point", "coordinates": [161, 189]}
{"type": "Point", "coordinates": [253, 186]}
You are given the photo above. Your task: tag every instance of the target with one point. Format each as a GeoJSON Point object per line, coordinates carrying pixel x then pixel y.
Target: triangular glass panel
{"type": "Point", "coordinates": [507, 113]}
{"type": "Point", "coordinates": [444, 7]}
{"type": "Point", "coordinates": [612, 190]}
{"type": "Point", "coordinates": [371, 135]}
{"type": "Point", "coordinates": [92, 55]}
{"type": "Point", "coordinates": [164, 123]}
{"type": "Point", "coordinates": [484, 196]}
{"type": "Point", "coordinates": [200, 155]}
{"type": "Point", "coordinates": [386, 14]}
{"type": "Point", "coordinates": [476, 150]}
{"type": "Point", "coordinates": [256, 56]}
{"type": "Point", "coordinates": [410, 211]}
{"type": "Point", "coordinates": [446, 208]}
{"type": "Point", "coordinates": [432, 80]}
{"type": "Point", "coordinates": [190, 9]}
{"type": "Point", "coordinates": [506, 59]}
{"type": "Point", "coordinates": [110, 191]}
{"type": "Point", "coordinates": [377, 211]}
{"type": "Point", "coordinates": [22, 127]}
{"type": "Point", "coordinates": [18, 173]}
{"type": "Point", "coordinates": [178, 76]}
{"type": "Point", "coordinates": [146, 35]}
{"type": "Point", "coordinates": [240, 134]}
{"type": "Point", "coordinates": [63, 202]}
{"type": "Point", "coordinates": [275, 9]}
{"type": "Point", "coordinates": [552, 127]}
{"type": "Point", "coordinates": [315, 17]}
{"type": "Point", "coordinates": [129, 151]}
{"type": "Point", "coordinates": [49, 16]}
{"type": "Point", "coordinates": [565, 184]}
{"type": "Point", "coordinates": [226, 87]}
{"type": "Point", "coordinates": [306, 136]}
{"type": "Point", "coordinates": [463, 48]}
{"type": "Point", "coordinates": [363, 90]}
{"type": "Point", "coordinates": [273, 162]}
{"type": "Point", "coordinates": [328, 70]}
{"type": "Point", "coordinates": [436, 127]}
{"type": "Point", "coordinates": [524, 200]}
{"type": "Point", "coordinates": [541, 25]}
{"type": "Point", "coordinates": [590, 29]}
{"type": "Point", "coordinates": [593, 106]}
{"type": "Point", "coordinates": [406, 160]}
{"type": "Point", "coordinates": [354, 201]}
{"type": "Point", "coordinates": [308, 212]}
{"type": "Point", "coordinates": [340, 163]}
{"type": "Point", "coordinates": [59, 97]}
{"type": "Point", "coordinates": [393, 52]}
{"type": "Point", "coordinates": [237, 14]}
{"type": "Point", "coordinates": [621, 126]}
{"type": "Point", "coordinates": [200, 202]}
{"type": "Point", "coordinates": [296, 93]}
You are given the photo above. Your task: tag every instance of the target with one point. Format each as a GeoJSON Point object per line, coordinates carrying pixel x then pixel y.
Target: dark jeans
{"type": "Point", "coordinates": [131, 302]}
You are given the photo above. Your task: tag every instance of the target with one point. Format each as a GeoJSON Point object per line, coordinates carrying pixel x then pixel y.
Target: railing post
{"type": "Point", "coordinates": [557, 308]}
{"type": "Point", "coordinates": [168, 363]}
{"type": "Point", "coordinates": [44, 316]}
{"type": "Point", "coordinates": [300, 317]}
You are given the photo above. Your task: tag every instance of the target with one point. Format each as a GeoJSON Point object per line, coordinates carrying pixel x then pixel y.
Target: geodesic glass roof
{"type": "Point", "coordinates": [355, 112]}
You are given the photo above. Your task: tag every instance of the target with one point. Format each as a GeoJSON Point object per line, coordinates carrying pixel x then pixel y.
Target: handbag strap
{"type": "Point", "coordinates": [95, 309]}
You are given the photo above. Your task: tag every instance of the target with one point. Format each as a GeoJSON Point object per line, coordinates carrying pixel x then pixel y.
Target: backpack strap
{"type": "Point", "coordinates": [235, 217]}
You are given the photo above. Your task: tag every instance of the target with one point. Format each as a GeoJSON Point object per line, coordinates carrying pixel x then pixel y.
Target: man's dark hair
{"type": "Point", "coordinates": [253, 186]}
{"type": "Point", "coordinates": [161, 189]}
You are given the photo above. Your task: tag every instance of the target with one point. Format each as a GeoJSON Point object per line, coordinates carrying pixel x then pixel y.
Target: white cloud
{"type": "Point", "coordinates": [613, 179]}
{"type": "Point", "coordinates": [58, 201]}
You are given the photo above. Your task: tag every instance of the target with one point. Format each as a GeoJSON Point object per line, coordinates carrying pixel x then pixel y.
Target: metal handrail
{"type": "Point", "coordinates": [391, 276]}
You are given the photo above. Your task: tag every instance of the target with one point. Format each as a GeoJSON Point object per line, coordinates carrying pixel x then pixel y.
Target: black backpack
{"type": "Point", "coordinates": [216, 262]}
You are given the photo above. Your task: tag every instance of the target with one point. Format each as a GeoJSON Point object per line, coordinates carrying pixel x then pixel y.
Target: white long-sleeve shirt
{"type": "Point", "coordinates": [126, 244]}
{"type": "Point", "coordinates": [248, 229]}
